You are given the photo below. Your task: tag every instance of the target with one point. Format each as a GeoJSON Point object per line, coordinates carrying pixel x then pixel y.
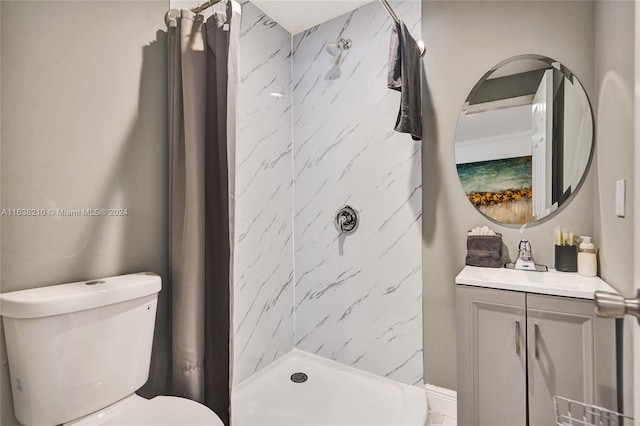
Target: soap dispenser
{"type": "Point", "coordinates": [587, 264]}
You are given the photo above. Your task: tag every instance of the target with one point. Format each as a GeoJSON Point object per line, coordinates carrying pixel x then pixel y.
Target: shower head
{"type": "Point", "coordinates": [335, 48]}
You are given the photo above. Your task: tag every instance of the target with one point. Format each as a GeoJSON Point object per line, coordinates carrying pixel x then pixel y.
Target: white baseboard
{"type": "Point", "coordinates": [442, 400]}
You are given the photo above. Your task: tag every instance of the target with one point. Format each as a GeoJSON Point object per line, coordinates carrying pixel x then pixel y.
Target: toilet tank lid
{"type": "Point", "coordinates": [79, 296]}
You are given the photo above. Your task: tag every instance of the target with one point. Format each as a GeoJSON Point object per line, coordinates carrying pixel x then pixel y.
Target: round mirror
{"type": "Point", "coordinates": [524, 140]}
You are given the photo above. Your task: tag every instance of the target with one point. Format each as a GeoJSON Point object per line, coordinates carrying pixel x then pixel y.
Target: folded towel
{"type": "Point", "coordinates": [484, 250]}
{"type": "Point", "coordinates": [404, 76]}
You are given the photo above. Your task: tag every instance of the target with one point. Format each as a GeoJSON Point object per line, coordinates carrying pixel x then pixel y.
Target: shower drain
{"type": "Point", "coordinates": [299, 377]}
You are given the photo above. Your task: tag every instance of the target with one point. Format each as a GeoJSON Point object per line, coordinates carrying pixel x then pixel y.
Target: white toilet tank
{"type": "Point", "coordinates": [76, 348]}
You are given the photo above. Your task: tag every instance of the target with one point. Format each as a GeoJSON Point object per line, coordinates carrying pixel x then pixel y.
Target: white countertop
{"type": "Point", "coordinates": [553, 283]}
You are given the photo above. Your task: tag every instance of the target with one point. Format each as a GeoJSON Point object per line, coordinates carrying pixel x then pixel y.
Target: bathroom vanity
{"type": "Point", "coordinates": [523, 337]}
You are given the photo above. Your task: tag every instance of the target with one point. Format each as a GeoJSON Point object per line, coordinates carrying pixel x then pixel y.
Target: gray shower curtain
{"type": "Point", "coordinates": [202, 61]}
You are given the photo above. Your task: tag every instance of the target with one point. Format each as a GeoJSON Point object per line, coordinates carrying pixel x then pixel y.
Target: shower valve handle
{"type": "Point", "coordinates": [347, 220]}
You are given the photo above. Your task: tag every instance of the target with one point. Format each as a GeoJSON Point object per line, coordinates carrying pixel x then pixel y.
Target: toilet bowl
{"type": "Point", "coordinates": [78, 352]}
{"type": "Point", "coordinates": [135, 410]}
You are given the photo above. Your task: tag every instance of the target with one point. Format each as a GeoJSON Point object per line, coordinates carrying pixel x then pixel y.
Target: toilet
{"type": "Point", "coordinates": [78, 352]}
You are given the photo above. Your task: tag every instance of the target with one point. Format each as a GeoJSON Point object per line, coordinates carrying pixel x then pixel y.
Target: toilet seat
{"type": "Point", "coordinates": [158, 411]}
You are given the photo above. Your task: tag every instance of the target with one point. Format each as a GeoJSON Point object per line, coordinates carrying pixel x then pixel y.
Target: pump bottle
{"type": "Point", "coordinates": [587, 264]}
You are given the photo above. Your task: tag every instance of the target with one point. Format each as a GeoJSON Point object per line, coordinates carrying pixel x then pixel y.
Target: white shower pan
{"type": "Point", "coordinates": [333, 395]}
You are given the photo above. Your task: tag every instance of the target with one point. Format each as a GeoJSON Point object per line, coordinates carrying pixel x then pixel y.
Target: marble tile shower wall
{"type": "Point", "coordinates": [263, 260]}
{"type": "Point", "coordinates": [358, 299]}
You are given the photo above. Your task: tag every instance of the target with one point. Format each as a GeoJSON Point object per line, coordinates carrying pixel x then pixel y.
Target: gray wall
{"type": "Point", "coordinates": [614, 66]}
{"type": "Point", "coordinates": [464, 40]}
{"type": "Point", "coordinates": [84, 126]}
{"type": "Point", "coordinates": [593, 39]}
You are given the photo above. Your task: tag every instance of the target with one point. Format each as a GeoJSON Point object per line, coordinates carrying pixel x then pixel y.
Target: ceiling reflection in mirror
{"type": "Point", "coordinates": [524, 140]}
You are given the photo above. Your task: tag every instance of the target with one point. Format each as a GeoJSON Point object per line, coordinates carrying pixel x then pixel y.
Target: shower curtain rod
{"type": "Point", "coordinates": [172, 15]}
{"type": "Point", "coordinates": [210, 3]}
{"type": "Point", "coordinates": [393, 15]}
{"type": "Point", "coordinates": [204, 6]}
{"type": "Point", "coordinates": [387, 6]}
{"type": "Point", "coordinates": [170, 20]}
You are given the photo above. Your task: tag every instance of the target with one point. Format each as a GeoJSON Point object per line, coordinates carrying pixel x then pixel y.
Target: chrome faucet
{"type": "Point", "coordinates": [525, 259]}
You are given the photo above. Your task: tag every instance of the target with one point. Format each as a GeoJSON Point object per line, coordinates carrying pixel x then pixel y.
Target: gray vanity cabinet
{"type": "Point", "coordinates": [517, 350]}
{"type": "Point", "coordinates": [492, 383]}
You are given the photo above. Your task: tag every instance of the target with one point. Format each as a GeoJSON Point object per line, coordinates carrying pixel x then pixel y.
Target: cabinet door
{"type": "Point", "coordinates": [562, 334]}
{"type": "Point", "coordinates": [491, 357]}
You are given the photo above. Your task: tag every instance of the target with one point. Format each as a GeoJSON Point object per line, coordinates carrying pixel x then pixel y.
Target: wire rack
{"type": "Point", "coordinates": [576, 413]}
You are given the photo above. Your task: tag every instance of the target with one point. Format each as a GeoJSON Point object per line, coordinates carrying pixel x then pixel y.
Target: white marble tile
{"type": "Point", "coordinates": [263, 262]}
{"type": "Point", "coordinates": [357, 299]}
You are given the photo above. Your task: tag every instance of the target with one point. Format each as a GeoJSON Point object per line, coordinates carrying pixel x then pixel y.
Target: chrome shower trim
{"type": "Point", "coordinates": [347, 220]}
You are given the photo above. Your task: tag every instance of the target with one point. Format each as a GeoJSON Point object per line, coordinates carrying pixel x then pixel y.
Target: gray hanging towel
{"type": "Point", "coordinates": [404, 76]}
